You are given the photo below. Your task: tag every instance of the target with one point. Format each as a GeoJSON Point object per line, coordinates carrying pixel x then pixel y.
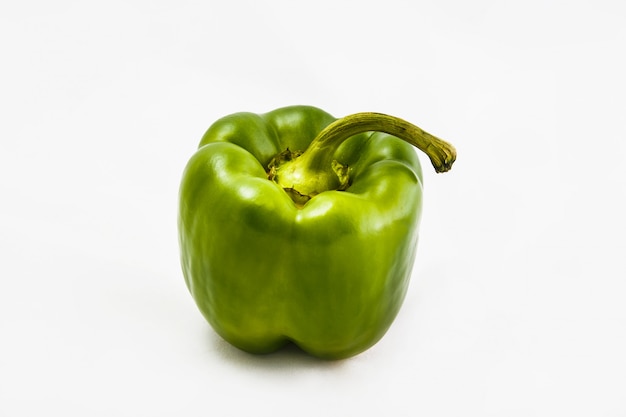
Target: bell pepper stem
{"type": "Point", "coordinates": [316, 171]}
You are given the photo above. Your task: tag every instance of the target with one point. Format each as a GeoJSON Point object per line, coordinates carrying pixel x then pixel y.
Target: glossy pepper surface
{"type": "Point", "coordinates": [295, 226]}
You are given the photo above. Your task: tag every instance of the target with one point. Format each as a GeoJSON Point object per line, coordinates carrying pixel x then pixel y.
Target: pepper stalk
{"type": "Point", "coordinates": [304, 175]}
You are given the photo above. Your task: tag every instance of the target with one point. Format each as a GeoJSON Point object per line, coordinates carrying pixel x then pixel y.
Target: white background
{"type": "Point", "coordinates": [516, 306]}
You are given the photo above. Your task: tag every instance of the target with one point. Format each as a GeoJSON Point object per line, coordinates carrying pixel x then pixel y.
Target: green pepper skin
{"type": "Point", "coordinates": [329, 276]}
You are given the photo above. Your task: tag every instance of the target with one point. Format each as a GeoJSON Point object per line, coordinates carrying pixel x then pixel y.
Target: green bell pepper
{"type": "Point", "coordinates": [298, 227]}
